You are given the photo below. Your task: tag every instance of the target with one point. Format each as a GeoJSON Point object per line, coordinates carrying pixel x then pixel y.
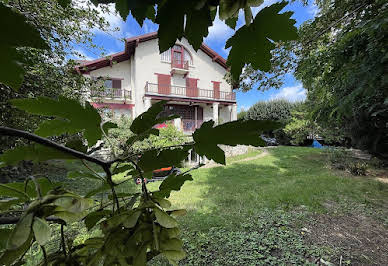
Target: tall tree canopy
{"type": "Point", "coordinates": [341, 58]}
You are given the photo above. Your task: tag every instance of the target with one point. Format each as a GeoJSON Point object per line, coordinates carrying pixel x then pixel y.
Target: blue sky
{"type": "Point", "coordinates": [218, 34]}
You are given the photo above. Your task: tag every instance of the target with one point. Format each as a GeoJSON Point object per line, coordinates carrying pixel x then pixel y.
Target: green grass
{"type": "Point", "coordinates": [251, 212]}
{"type": "Point", "coordinates": [256, 193]}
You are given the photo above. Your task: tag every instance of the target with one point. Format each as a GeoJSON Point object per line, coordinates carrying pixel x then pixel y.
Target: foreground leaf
{"type": "Point", "coordinates": [144, 122]}
{"type": "Point", "coordinates": [172, 182]}
{"type": "Point", "coordinates": [13, 24]}
{"type": "Point", "coordinates": [35, 153]}
{"type": "Point", "coordinates": [21, 232]}
{"type": "Point", "coordinates": [243, 132]}
{"type": "Point", "coordinates": [253, 44]}
{"type": "Point", "coordinates": [164, 219]}
{"type": "Point", "coordinates": [73, 117]}
{"type": "Point", "coordinates": [94, 217]}
{"type": "Point", "coordinates": [41, 230]}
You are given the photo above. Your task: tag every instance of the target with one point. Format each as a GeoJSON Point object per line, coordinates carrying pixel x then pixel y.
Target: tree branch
{"type": "Point", "coordinates": [15, 220]}
{"type": "Point", "coordinates": [6, 131]}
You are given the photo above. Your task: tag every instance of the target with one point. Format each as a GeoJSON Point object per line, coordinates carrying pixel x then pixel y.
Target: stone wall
{"type": "Point", "coordinates": [234, 150]}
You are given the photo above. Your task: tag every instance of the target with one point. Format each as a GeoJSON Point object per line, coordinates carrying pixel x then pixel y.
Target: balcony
{"type": "Point", "coordinates": [179, 67]}
{"type": "Point", "coordinates": [111, 93]}
{"type": "Point", "coordinates": [190, 125]}
{"type": "Point", "coordinates": [184, 92]}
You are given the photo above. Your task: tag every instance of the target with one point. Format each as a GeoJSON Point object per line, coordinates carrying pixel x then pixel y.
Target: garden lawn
{"type": "Point", "coordinates": [270, 210]}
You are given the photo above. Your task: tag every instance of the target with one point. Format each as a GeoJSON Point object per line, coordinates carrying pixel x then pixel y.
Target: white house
{"type": "Point", "coordinates": [192, 82]}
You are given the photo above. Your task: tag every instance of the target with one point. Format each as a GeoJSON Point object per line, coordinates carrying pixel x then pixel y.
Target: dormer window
{"type": "Point", "coordinates": [180, 56]}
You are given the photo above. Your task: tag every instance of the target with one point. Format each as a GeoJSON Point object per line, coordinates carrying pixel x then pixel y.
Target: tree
{"type": "Point", "coordinates": [344, 70]}
{"type": "Point", "coordinates": [340, 58]}
{"type": "Point", "coordinates": [48, 72]}
{"type": "Point", "coordinates": [135, 227]}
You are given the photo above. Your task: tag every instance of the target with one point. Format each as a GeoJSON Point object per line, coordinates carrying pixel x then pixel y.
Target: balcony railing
{"type": "Point", "coordinates": [181, 91]}
{"type": "Point", "coordinates": [177, 63]}
{"type": "Point", "coordinates": [111, 93]}
{"type": "Point", "coordinates": [190, 125]}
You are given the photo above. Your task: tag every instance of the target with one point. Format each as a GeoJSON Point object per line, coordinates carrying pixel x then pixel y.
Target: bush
{"type": "Point", "coordinates": [118, 137]}
{"type": "Point", "coordinates": [357, 168]}
{"type": "Point", "coordinates": [342, 159]}
{"type": "Point", "coordinates": [277, 110]}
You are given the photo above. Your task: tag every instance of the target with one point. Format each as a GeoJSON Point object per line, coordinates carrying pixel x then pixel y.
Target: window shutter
{"type": "Point", "coordinates": [164, 84]}
{"type": "Point", "coordinates": [191, 87]}
{"type": "Point", "coordinates": [216, 89]}
{"type": "Point", "coordinates": [116, 83]}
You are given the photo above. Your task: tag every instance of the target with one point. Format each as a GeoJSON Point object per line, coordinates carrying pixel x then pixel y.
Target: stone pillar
{"type": "Point", "coordinates": [215, 113]}
{"type": "Point", "coordinates": [178, 124]}
{"type": "Point", "coordinates": [234, 112]}
{"type": "Point", "coordinates": [147, 104]}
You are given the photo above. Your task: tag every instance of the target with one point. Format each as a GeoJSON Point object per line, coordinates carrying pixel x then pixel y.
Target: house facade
{"type": "Point", "coordinates": [192, 82]}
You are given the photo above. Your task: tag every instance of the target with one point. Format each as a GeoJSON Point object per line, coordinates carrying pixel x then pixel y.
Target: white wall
{"type": "Point", "coordinates": [120, 70]}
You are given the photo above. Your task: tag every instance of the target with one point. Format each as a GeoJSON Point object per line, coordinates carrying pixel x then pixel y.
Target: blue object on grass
{"type": "Point", "coordinates": [316, 144]}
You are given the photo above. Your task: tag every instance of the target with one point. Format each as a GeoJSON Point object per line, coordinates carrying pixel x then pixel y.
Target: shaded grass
{"type": "Point", "coordinates": [290, 182]}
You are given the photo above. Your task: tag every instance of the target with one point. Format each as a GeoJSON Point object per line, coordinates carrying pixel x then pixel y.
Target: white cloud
{"type": "Point", "coordinates": [81, 54]}
{"type": "Point", "coordinates": [312, 9]}
{"type": "Point", "coordinates": [293, 93]}
{"type": "Point", "coordinates": [219, 31]}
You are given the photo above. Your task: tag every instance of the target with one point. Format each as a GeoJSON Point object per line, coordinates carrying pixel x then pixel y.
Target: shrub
{"type": "Point", "coordinates": [278, 110]}
{"type": "Point", "coordinates": [357, 168]}
{"type": "Point", "coordinates": [342, 159]}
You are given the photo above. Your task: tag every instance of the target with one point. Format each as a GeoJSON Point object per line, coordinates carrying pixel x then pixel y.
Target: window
{"type": "Point", "coordinates": [108, 83]}
{"type": "Point", "coordinates": [176, 51]}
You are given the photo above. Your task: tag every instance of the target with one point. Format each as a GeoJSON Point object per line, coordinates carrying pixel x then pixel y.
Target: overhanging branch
{"type": "Point", "coordinates": [6, 131]}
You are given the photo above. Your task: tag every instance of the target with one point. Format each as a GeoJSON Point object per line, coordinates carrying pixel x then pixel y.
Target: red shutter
{"type": "Point", "coordinates": [116, 83]}
{"type": "Point", "coordinates": [191, 87]}
{"type": "Point", "coordinates": [164, 84]}
{"type": "Point", "coordinates": [216, 89]}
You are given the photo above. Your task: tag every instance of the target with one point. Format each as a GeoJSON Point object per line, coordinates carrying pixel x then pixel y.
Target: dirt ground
{"type": "Point", "coordinates": [356, 238]}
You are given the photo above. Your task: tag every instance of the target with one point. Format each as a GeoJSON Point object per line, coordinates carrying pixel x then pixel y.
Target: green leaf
{"type": "Point", "coordinates": [64, 3]}
{"type": "Point", "coordinates": [231, 22]}
{"type": "Point", "coordinates": [131, 219]}
{"type": "Point", "coordinates": [10, 256]}
{"type": "Point", "coordinates": [77, 118]}
{"type": "Point", "coordinates": [154, 159]}
{"type": "Point", "coordinates": [4, 235]}
{"type": "Point", "coordinates": [174, 256]}
{"type": "Point", "coordinates": [140, 9]}
{"type": "Point", "coordinates": [144, 122]}
{"type": "Point", "coordinates": [177, 213]}
{"type": "Point", "coordinates": [171, 244]}
{"type": "Point", "coordinates": [102, 188]}
{"type": "Point", "coordinates": [230, 8]}
{"type": "Point", "coordinates": [81, 174]}
{"type": "Point", "coordinates": [7, 204]}
{"type": "Point", "coordinates": [11, 70]}
{"type": "Point", "coordinates": [94, 217]}
{"type": "Point", "coordinates": [21, 232]}
{"type": "Point", "coordinates": [164, 219]}
{"type": "Point", "coordinates": [253, 44]}
{"type": "Point", "coordinates": [77, 144]}
{"type": "Point", "coordinates": [197, 26]}
{"type": "Point", "coordinates": [41, 230]}
{"type": "Point", "coordinates": [175, 12]}
{"type": "Point", "coordinates": [244, 132]}
{"type": "Point", "coordinates": [172, 182]}
{"type": "Point", "coordinates": [35, 153]}
{"type": "Point", "coordinates": [140, 258]}
{"type": "Point", "coordinates": [12, 190]}
{"type": "Point", "coordinates": [162, 202]}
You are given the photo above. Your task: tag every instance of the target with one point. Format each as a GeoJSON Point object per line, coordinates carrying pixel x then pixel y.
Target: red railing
{"type": "Point", "coordinates": [189, 125]}
{"type": "Point", "coordinates": [111, 93]}
{"type": "Point", "coordinates": [177, 63]}
{"type": "Point", "coordinates": [180, 91]}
